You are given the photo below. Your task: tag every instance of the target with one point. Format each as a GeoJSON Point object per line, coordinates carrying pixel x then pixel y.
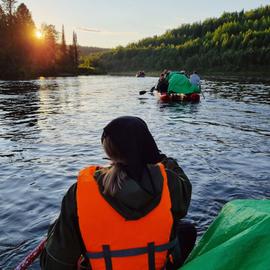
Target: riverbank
{"type": "Point", "coordinates": [239, 76]}
{"type": "Point", "coordinates": [243, 76]}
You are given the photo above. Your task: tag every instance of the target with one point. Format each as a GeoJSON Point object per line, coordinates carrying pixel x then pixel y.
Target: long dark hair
{"type": "Point", "coordinates": [130, 146]}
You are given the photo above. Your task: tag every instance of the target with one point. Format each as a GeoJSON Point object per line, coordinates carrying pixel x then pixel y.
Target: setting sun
{"type": "Point", "coordinates": [38, 34]}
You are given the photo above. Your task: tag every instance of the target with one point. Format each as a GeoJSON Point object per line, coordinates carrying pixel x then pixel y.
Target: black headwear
{"type": "Point", "coordinates": [133, 139]}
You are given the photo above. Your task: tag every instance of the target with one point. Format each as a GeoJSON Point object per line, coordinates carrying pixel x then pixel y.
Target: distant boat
{"type": "Point", "coordinates": [140, 74]}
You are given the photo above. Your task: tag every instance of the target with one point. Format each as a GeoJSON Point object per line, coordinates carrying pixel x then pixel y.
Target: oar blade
{"type": "Point", "coordinates": [142, 92]}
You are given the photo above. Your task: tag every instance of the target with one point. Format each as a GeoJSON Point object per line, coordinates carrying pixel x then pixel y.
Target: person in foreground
{"type": "Point", "coordinates": [126, 215]}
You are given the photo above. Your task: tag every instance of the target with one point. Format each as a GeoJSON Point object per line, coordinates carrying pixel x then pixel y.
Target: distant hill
{"type": "Point", "coordinates": [233, 42]}
{"type": "Point", "coordinates": [86, 51]}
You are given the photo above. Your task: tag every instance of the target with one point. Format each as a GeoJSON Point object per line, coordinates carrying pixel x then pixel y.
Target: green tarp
{"type": "Point", "coordinates": [179, 83]}
{"type": "Point", "coordinates": [239, 238]}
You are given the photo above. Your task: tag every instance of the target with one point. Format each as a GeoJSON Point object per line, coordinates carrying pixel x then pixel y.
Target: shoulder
{"type": "Point", "coordinates": [170, 164]}
{"type": "Point", "coordinates": [70, 196]}
{"type": "Point", "coordinates": [179, 186]}
{"type": "Point", "coordinates": [176, 175]}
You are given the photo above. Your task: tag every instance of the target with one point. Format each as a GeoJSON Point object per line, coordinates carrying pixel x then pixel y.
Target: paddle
{"type": "Point", "coordinates": [144, 91]}
{"type": "Point", "coordinates": [202, 92]}
{"type": "Point", "coordinates": [29, 259]}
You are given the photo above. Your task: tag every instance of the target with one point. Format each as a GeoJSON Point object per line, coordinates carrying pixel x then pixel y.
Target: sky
{"type": "Point", "coordinates": [110, 23]}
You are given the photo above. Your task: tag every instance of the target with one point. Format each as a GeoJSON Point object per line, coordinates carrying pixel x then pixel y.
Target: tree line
{"type": "Point", "coordinates": [235, 41]}
{"type": "Point", "coordinates": [27, 52]}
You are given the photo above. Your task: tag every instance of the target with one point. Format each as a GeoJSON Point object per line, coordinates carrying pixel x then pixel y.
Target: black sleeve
{"type": "Point", "coordinates": [179, 186]}
{"type": "Point", "coordinates": [64, 245]}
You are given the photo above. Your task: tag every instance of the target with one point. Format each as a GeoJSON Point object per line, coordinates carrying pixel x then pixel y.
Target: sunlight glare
{"type": "Point", "coordinates": [39, 34]}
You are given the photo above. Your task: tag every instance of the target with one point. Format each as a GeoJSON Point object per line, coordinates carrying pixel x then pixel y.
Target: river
{"type": "Point", "coordinates": [50, 129]}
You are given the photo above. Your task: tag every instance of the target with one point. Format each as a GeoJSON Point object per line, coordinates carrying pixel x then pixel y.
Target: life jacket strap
{"type": "Point", "coordinates": [151, 256]}
{"type": "Point", "coordinates": [150, 249]}
{"type": "Point", "coordinates": [176, 254]}
{"type": "Point", "coordinates": [107, 257]}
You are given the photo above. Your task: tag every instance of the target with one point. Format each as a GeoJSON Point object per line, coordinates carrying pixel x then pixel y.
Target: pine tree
{"type": "Point", "coordinates": [23, 29]}
{"type": "Point", "coordinates": [3, 40]}
{"type": "Point", "coordinates": [9, 6]}
{"type": "Point", "coordinates": [23, 16]}
{"type": "Point", "coordinates": [75, 50]}
{"type": "Point", "coordinates": [2, 19]}
{"type": "Point", "coordinates": [63, 43]}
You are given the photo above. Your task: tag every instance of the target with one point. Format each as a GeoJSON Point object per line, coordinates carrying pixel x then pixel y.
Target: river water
{"type": "Point", "coordinates": [51, 128]}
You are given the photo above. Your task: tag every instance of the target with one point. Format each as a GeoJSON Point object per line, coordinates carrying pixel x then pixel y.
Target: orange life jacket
{"type": "Point", "coordinates": [111, 241]}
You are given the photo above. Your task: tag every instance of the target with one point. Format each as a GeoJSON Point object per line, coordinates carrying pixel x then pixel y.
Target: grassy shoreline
{"type": "Point", "coordinates": [247, 76]}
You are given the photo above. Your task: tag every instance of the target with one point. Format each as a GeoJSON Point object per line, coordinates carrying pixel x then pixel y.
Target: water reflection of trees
{"type": "Point", "coordinates": [19, 100]}
{"type": "Point", "coordinates": [245, 92]}
{"type": "Point", "coordinates": [19, 105]}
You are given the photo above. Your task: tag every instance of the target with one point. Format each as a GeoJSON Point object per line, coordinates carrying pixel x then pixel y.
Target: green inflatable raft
{"type": "Point", "coordinates": [239, 238]}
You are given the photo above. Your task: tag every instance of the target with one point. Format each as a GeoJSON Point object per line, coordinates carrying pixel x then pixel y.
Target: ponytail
{"type": "Point", "coordinates": [112, 177]}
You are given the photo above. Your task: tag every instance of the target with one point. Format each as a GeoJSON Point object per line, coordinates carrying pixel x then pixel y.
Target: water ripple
{"type": "Point", "coordinates": [51, 128]}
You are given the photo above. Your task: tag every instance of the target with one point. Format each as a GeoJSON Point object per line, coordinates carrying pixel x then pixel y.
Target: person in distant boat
{"type": "Point", "coordinates": [195, 79]}
{"type": "Point", "coordinates": [162, 85]}
{"type": "Point", "coordinates": [140, 74]}
{"type": "Point", "coordinates": [125, 215]}
{"type": "Point", "coordinates": [184, 73]}
{"type": "Point", "coordinates": [166, 73]}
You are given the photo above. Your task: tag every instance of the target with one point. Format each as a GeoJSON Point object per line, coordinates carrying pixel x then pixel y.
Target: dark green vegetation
{"type": "Point", "coordinates": [235, 42]}
{"type": "Point", "coordinates": [89, 56]}
{"type": "Point", "coordinates": [26, 52]}
{"type": "Point", "coordinates": [87, 51]}
{"type": "Point", "coordinates": [238, 41]}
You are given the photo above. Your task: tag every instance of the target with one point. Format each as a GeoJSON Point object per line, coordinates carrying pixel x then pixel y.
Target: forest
{"type": "Point", "coordinates": [28, 52]}
{"type": "Point", "coordinates": [236, 41]}
{"type": "Point", "coordinates": [87, 51]}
